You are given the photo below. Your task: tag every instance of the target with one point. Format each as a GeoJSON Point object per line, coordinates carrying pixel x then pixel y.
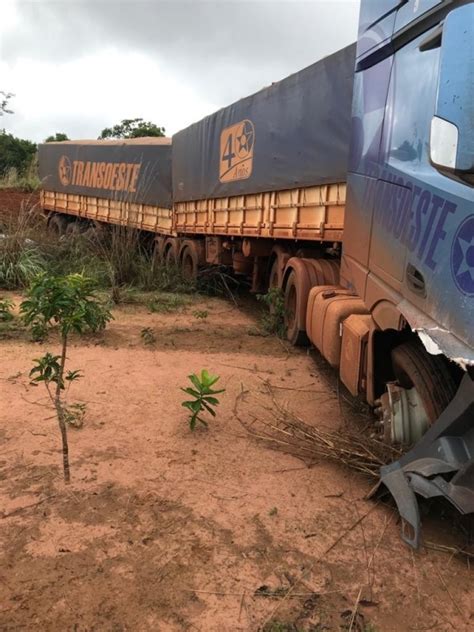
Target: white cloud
{"type": "Point", "coordinates": [83, 96]}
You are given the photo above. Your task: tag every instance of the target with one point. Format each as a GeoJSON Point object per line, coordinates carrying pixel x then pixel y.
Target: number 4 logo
{"type": "Point", "coordinates": [228, 154]}
{"type": "Point", "coordinates": [236, 151]}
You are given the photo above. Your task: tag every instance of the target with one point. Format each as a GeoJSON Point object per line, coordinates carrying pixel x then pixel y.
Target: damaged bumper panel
{"type": "Point", "coordinates": [441, 464]}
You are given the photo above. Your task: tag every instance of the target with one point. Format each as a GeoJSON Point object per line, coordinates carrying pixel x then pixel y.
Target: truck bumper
{"type": "Point", "coordinates": [441, 464]}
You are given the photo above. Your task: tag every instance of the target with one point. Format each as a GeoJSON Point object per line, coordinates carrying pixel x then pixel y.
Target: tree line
{"type": "Point", "coordinates": [19, 154]}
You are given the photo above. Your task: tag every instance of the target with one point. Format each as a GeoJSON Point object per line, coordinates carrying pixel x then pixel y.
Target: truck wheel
{"type": "Point", "coordinates": [273, 279]}
{"type": "Point", "coordinates": [58, 224]}
{"type": "Point", "coordinates": [296, 293]}
{"type": "Point", "coordinates": [423, 389]}
{"type": "Point", "coordinates": [415, 368]}
{"type": "Point", "coordinates": [189, 264]}
{"type": "Point", "coordinates": [75, 228]}
{"type": "Point", "coordinates": [170, 258]}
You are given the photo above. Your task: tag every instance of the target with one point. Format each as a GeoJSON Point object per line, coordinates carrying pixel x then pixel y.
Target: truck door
{"type": "Point", "coordinates": [422, 239]}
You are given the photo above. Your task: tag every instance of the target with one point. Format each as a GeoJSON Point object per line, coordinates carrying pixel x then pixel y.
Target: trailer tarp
{"type": "Point", "coordinates": [294, 133]}
{"type": "Point", "coordinates": [128, 171]}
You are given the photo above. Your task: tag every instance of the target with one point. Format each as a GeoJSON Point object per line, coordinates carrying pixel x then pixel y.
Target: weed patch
{"type": "Point", "coordinates": [167, 302]}
{"type": "Point", "coordinates": [272, 320]}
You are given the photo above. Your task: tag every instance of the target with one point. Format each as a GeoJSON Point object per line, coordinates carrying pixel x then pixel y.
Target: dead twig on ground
{"type": "Point", "coordinates": [303, 389]}
{"type": "Point", "coordinates": [448, 549]}
{"type": "Point", "coordinates": [354, 610]}
{"type": "Point", "coordinates": [241, 604]}
{"type": "Point", "coordinates": [260, 594]}
{"type": "Point", "coordinates": [320, 557]}
{"type": "Point", "coordinates": [20, 509]}
{"type": "Point", "coordinates": [274, 424]}
{"type": "Point", "coordinates": [455, 603]}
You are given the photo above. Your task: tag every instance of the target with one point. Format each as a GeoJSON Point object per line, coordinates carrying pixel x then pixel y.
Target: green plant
{"type": "Point", "coordinates": [15, 153]}
{"type": "Point", "coordinates": [20, 261]}
{"type": "Point", "coordinates": [132, 128]}
{"type": "Point", "coordinates": [4, 98]}
{"type": "Point", "coordinates": [70, 303]}
{"type": "Point", "coordinates": [148, 336]}
{"type": "Point", "coordinates": [6, 306]}
{"type": "Point", "coordinates": [167, 302]}
{"type": "Point", "coordinates": [203, 397]}
{"type": "Point", "coordinates": [272, 320]}
{"type": "Point", "coordinates": [59, 137]}
{"type": "Point", "coordinates": [200, 314]}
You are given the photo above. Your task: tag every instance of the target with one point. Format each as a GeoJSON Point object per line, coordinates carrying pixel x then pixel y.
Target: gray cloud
{"type": "Point", "coordinates": [220, 50]}
{"type": "Point", "coordinates": [225, 47]}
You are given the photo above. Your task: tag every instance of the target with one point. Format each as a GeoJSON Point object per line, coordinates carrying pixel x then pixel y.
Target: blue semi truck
{"type": "Point", "coordinates": [350, 186]}
{"type": "Point", "coordinates": [410, 214]}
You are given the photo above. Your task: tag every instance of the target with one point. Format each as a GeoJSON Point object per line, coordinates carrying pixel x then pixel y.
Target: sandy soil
{"type": "Point", "coordinates": [12, 201]}
{"type": "Point", "coordinates": [164, 529]}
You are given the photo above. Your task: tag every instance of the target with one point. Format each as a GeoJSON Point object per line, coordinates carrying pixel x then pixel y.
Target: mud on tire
{"type": "Point", "coordinates": [415, 367]}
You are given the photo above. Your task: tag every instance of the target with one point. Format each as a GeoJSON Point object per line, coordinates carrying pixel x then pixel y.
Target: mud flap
{"type": "Point", "coordinates": [440, 464]}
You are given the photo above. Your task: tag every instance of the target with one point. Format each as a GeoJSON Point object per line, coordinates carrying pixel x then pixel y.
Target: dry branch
{"type": "Point", "coordinates": [280, 428]}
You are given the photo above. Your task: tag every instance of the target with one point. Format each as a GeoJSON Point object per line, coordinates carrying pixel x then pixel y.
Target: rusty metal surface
{"type": "Point", "coordinates": [312, 213]}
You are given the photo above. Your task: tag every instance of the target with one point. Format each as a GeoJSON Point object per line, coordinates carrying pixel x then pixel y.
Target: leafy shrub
{"type": "Point", "coordinates": [272, 320]}
{"type": "Point", "coordinates": [200, 314]}
{"type": "Point", "coordinates": [6, 306]}
{"type": "Point", "coordinates": [203, 397]}
{"type": "Point", "coordinates": [148, 336]}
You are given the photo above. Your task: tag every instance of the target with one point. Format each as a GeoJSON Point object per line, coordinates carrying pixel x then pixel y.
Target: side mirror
{"type": "Point", "coordinates": [452, 127]}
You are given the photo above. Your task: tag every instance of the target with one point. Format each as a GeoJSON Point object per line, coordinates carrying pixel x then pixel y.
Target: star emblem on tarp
{"type": "Point", "coordinates": [245, 139]}
{"type": "Point", "coordinates": [462, 256]}
{"type": "Point", "coordinates": [65, 170]}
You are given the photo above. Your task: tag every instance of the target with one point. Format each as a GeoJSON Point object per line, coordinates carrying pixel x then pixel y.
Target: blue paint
{"type": "Point", "coordinates": [413, 212]}
{"type": "Point", "coordinates": [462, 257]}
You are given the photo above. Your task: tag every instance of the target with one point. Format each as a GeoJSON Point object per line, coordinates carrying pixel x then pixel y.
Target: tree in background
{"type": "Point", "coordinates": [15, 153]}
{"type": "Point", "coordinates": [57, 138]}
{"type": "Point", "coordinates": [132, 128]}
{"type": "Point", "coordinates": [4, 98]}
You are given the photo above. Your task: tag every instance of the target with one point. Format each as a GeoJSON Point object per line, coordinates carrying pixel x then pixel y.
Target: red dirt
{"type": "Point", "coordinates": [164, 529]}
{"type": "Point", "coordinates": [13, 200]}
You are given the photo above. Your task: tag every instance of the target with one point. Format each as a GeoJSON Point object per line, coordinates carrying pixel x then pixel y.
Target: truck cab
{"type": "Point", "coordinates": [410, 217]}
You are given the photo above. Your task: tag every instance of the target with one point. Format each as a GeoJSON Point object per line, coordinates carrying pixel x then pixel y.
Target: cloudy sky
{"type": "Point", "coordinates": [77, 66]}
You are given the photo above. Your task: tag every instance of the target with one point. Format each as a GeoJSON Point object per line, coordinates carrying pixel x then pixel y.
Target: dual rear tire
{"type": "Point", "coordinates": [301, 276]}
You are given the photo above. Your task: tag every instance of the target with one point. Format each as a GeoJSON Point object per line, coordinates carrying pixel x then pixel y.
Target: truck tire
{"type": "Point", "coordinates": [170, 258]}
{"type": "Point", "coordinates": [415, 368]}
{"type": "Point", "coordinates": [189, 263]}
{"type": "Point", "coordinates": [274, 278]}
{"type": "Point", "coordinates": [75, 228]}
{"type": "Point", "coordinates": [301, 275]}
{"type": "Point", "coordinates": [58, 224]}
{"type": "Point", "coordinates": [296, 293]}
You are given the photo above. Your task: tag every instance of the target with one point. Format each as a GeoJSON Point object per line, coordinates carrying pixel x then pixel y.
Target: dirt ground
{"type": "Point", "coordinates": [12, 200]}
{"type": "Point", "coordinates": [164, 529]}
